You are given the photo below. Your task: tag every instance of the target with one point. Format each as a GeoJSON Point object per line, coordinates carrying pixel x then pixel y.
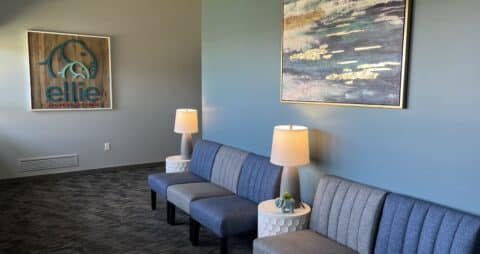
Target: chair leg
{"type": "Point", "coordinates": [170, 213]}
{"type": "Point", "coordinates": [194, 231]}
{"type": "Point", "coordinates": [153, 197]}
{"type": "Point", "coordinates": [224, 245]}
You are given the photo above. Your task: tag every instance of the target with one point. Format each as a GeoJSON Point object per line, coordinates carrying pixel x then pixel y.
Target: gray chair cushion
{"type": "Point", "coordinates": [410, 225]}
{"type": "Point", "coordinates": [305, 241]}
{"type": "Point", "coordinates": [227, 166]}
{"type": "Point", "coordinates": [347, 212]}
{"type": "Point", "coordinates": [182, 194]}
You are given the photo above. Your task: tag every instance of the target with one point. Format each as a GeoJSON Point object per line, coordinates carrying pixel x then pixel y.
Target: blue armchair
{"type": "Point", "coordinates": [231, 215]}
{"type": "Point", "coordinates": [200, 169]}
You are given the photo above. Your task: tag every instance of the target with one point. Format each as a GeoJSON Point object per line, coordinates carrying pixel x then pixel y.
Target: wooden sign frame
{"type": "Point", "coordinates": [62, 82]}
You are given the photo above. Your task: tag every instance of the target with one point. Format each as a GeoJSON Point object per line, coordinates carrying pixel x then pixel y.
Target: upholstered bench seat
{"type": "Point", "coordinates": [225, 172]}
{"type": "Point", "coordinates": [346, 216]}
{"type": "Point", "coordinates": [225, 216]}
{"type": "Point", "coordinates": [257, 180]}
{"type": "Point", "coordinates": [305, 241]}
{"type": "Point", "coordinates": [160, 182]}
{"type": "Point", "coordinates": [199, 169]}
{"type": "Point", "coordinates": [344, 212]}
{"type": "Point", "coordinates": [221, 190]}
{"type": "Point", "coordinates": [181, 195]}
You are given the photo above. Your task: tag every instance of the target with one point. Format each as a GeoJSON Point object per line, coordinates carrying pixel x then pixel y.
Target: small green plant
{"type": "Point", "coordinates": [286, 195]}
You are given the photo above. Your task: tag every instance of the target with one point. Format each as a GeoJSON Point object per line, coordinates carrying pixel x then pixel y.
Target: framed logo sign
{"type": "Point", "coordinates": [69, 71]}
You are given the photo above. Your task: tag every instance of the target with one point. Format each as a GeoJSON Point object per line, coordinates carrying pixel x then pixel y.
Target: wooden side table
{"type": "Point", "coordinates": [174, 164]}
{"type": "Point", "coordinates": [271, 221]}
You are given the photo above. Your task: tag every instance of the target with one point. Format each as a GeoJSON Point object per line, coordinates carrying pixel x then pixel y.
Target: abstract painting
{"type": "Point", "coordinates": [69, 71]}
{"type": "Point", "coordinates": [345, 52]}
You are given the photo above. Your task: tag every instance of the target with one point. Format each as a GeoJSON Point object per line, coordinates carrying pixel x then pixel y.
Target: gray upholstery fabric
{"type": "Point", "coordinates": [182, 194]}
{"type": "Point", "coordinates": [227, 166]}
{"type": "Point", "coordinates": [347, 212]}
{"type": "Point", "coordinates": [305, 241]}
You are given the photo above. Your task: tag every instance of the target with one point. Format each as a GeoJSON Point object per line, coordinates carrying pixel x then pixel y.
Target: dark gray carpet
{"type": "Point", "coordinates": [100, 211]}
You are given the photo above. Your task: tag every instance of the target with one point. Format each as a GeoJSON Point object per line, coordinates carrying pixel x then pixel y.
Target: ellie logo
{"type": "Point", "coordinates": [74, 73]}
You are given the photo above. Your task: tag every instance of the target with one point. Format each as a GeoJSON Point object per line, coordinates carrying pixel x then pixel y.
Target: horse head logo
{"type": "Point", "coordinates": [76, 68]}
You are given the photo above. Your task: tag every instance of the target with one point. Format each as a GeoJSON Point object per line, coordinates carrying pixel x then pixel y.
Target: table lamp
{"type": "Point", "coordinates": [290, 149]}
{"type": "Point", "coordinates": [186, 123]}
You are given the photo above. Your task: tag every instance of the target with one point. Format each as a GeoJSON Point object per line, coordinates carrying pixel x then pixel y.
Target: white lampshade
{"type": "Point", "coordinates": [186, 121]}
{"type": "Point", "coordinates": [290, 146]}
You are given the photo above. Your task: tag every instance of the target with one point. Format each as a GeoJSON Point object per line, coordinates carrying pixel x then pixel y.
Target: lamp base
{"type": "Point", "coordinates": [186, 146]}
{"type": "Point", "coordinates": [291, 183]}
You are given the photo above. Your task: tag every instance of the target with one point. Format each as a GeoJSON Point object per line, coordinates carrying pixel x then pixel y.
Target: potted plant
{"type": "Point", "coordinates": [285, 202]}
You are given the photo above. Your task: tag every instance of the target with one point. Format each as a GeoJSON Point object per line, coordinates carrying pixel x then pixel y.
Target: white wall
{"type": "Point", "coordinates": [155, 67]}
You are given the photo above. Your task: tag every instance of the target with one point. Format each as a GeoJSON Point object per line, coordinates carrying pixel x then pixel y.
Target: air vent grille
{"type": "Point", "coordinates": [49, 162]}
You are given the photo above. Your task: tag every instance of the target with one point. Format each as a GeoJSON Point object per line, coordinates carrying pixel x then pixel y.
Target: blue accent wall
{"type": "Point", "coordinates": [429, 150]}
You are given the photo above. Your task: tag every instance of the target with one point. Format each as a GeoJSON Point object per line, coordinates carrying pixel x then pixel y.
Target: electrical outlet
{"type": "Point", "coordinates": [107, 147]}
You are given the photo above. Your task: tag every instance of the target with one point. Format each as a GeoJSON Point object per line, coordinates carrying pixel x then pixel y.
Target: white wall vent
{"type": "Point", "coordinates": [49, 162]}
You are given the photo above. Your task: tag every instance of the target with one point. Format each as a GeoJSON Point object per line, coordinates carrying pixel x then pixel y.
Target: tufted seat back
{"type": "Point", "coordinates": [203, 157]}
{"type": "Point", "coordinates": [347, 212]}
{"type": "Point", "coordinates": [259, 179]}
{"type": "Point", "coordinates": [413, 226]}
{"type": "Point", "coordinates": [227, 166]}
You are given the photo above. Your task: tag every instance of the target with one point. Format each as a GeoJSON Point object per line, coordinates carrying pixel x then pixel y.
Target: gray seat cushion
{"type": "Point", "coordinates": [347, 212]}
{"type": "Point", "coordinates": [182, 194]}
{"type": "Point", "coordinates": [305, 241]}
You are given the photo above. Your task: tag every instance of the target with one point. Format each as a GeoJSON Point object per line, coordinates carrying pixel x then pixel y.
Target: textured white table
{"type": "Point", "coordinates": [175, 164]}
{"type": "Point", "coordinates": [271, 221]}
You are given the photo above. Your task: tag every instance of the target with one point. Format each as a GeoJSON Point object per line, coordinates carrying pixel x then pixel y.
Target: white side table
{"type": "Point", "coordinates": [271, 221]}
{"type": "Point", "coordinates": [175, 164]}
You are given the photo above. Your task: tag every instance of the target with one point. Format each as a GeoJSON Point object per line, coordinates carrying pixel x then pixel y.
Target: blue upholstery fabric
{"type": "Point", "coordinates": [160, 182]}
{"type": "Point", "coordinates": [225, 216]}
{"type": "Point", "coordinates": [412, 226]}
{"type": "Point", "coordinates": [203, 157]}
{"type": "Point", "coordinates": [259, 179]}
